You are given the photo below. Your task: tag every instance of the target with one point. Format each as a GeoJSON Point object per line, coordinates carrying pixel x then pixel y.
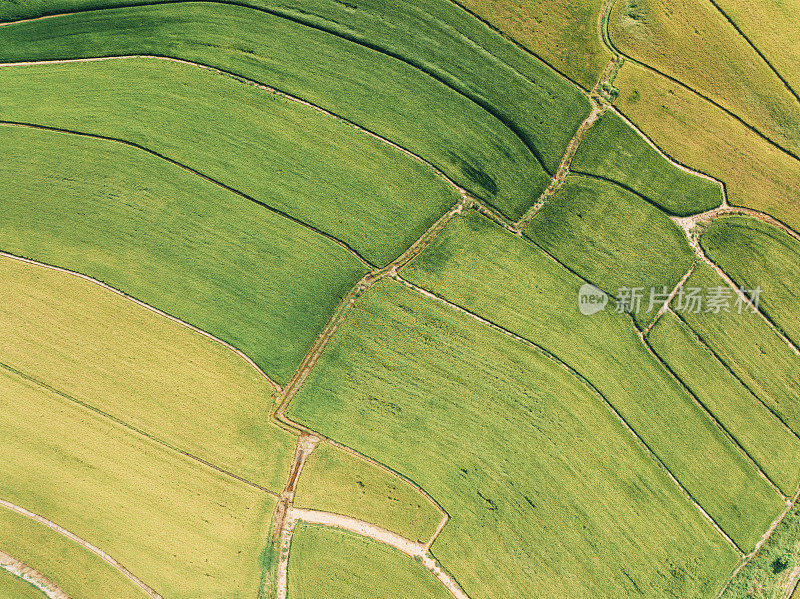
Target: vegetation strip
{"type": "Point", "coordinates": [31, 576]}
{"type": "Point", "coordinates": [418, 65]}
{"type": "Point", "coordinates": [98, 552]}
{"type": "Point", "coordinates": [196, 173]}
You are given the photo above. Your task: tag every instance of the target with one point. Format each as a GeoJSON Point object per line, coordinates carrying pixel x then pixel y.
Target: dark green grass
{"type": "Point", "coordinates": [537, 474]}
{"type": "Point", "coordinates": [755, 254]}
{"type": "Point", "coordinates": [509, 281]}
{"type": "Point", "coordinates": [751, 349]}
{"type": "Point", "coordinates": [327, 563]}
{"type": "Point", "coordinates": [770, 443]}
{"type": "Point", "coordinates": [448, 124]}
{"type": "Point", "coordinates": [613, 238]}
{"type": "Point", "coordinates": [613, 150]}
{"type": "Point", "coordinates": [289, 156]}
{"type": "Point", "coordinates": [255, 279]}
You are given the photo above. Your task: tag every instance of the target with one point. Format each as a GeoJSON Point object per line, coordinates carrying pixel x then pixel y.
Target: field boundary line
{"type": "Point", "coordinates": [417, 551]}
{"type": "Point", "coordinates": [689, 229]}
{"type": "Point", "coordinates": [196, 173]}
{"type": "Point", "coordinates": [765, 537]}
{"type": "Point", "coordinates": [136, 430]}
{"type": "Point", "coordinates": [85, 544]}
{"type": "Point", "coordinates": [730, 371]}
{"type": "Point", "coordinates": [451, 83]}
{"type": "Point", "coordinates": [31, 576]}
{"type": "Point", "coordinates": [610, 45]}
{"type": "Point", "coordinates": [587, 383]}
{"type": "Point", "coordinates": [349, 300]}
{"type": "Point", "coordinates": [761, 55]}
{"type": "Point", "coordinates": [557, 180]}
{"type": "Point", "coordinates": [688, 222]}
{"type": "Point", "coordinates": [665, 308]}
{"type": "Point", "coordinates": [730, 437]}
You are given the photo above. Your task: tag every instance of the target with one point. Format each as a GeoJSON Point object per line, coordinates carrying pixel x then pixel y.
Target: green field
{"type": "Point", "coordinates": [464, 400]}
{"type": "Point", "coordinates": [253, 278]}
{"type": "Point", "coordinates": [612, 238]}
{"type": "Point", "coordinates": [703, 137]}
{"type": "Point", "coordinates": [614, 151]}
{"type": "Point", "coordinates": [756, 254]}
{"type": "Point", "coordinates": [694, 43]}
{"type": "Point", "coordinates": [359, 83]}
{"type": "Point", "coordinates": [475, 264]}
{"type": "Point", "coordinates": [773, 446]}
{"type": "Point", "coordinates": [563, 33]}
{"type": "Point", "coordinates": [334, 480]}
{"type": "Point", "coordinates": [76, 570]}
{"type": "Point", "coordinates": [182, 528]}
{"type": "Point", "coordinates": [13, 587]}
{"type": "Point", "coordinates": [289, 156]}
{"type": "Point", "coordinates": [750, 348]}
{"type": "Point", "coordinates": [325, 563]}
{"type": "Point", "coordinates": [153, 374]}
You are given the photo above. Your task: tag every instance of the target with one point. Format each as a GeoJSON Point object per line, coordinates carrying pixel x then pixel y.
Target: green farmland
{"type": "Point", "coordinates": [327, 299]}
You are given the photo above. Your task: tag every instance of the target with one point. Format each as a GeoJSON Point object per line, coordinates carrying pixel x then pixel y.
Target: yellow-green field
{"type": "Point", "coordinates": [13, 587]}
{"type": "Point", "coordinates": [703, 137]}
{"type": "Point", "coordinates": [185, 529]}
{"type": "Point", "coordinates": [76, 570]}
{"type": "Point", "coordinates": [337, 481]}
{"type": "Point", "coordinates": [169, 382]}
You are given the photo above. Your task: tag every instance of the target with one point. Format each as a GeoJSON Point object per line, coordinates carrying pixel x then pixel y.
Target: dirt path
{"type": "Point", "coordinates": [85, 544]}
{"type": "Point", "coordinates": [563, 169]}
{"type": "Point", "coordinates": [31, 576]}
{"type": "Point", "coordinates": [365, 529]}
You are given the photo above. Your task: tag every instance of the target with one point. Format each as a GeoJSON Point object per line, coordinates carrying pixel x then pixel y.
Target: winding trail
{"type": "Point", "coordinates": [31, 576]}
{"type": "Point", "coordinates": [417, 551]}
{"type": "Point", "coordinates": [85, 544]}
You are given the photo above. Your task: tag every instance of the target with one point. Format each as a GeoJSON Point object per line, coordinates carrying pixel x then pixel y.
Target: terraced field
{"type": "Point", "coordinates": [378, 298]}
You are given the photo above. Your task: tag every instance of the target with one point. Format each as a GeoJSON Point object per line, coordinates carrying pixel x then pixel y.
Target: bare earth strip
{"type": "Point", "coordinates": [29, 575]}
{"type": "Point", "coordinates": [417, 551]}
{"type": "Point", "coordinates": [73, 537]}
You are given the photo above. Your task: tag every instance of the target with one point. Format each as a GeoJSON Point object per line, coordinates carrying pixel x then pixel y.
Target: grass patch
{"type": "Point", "coordinates": [143, 369]}
{"type": "Point", "coordinates": [695, 44]}
{"type": "Point", "coordinates": [334, 480]}
{"type": "Point", "coordinates": [482, 275]}
{"type": "Point", "coordinates": [77, 571]}
{"type": "Point", "coordinates": [761, 433]}
{"type": "Point", "coordinates": [14, 587]}
{"type": "Point", "coordinates": [756, 254]}
{"type": "Point", "coordinates": [703, 137]}
{"type": "Point", "coordinates": [255, 279]}
{"type": "Point", "coordinates": [613, 150]}
{"type": "Point", "coordinates": [384, 94]}
{"type": "Point", "coordinates": [537, 474]}
{"type": "Point", "coordinates": [613, 238]}
{"type": "Point", "coordinates": [768, 575]}
{"type": "Point", "coordinates": [326, 562]}
{"type": "Point", "coordinates": [182, 528]}
{"type": "Point", "coordinates": [752, 350]}
{"type": "Point", "coordinates": [289, 156]}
